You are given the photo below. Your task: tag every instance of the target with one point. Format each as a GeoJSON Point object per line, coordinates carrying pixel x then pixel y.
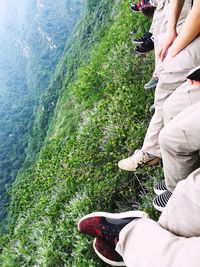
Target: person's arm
{"type": "Point", "coordinates": [171, 34]}
{"type": "Point", "coordinates": [189, 31]}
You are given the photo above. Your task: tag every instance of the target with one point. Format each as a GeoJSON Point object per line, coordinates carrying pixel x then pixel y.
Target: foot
{"type": "Point", "coordinates": [144, 7]}
{"type": "Point", "coordinates": [107, 252]}
{"type": "Point", "coordinates": [152, 109]}
{"type": "Point", "coordinates": [160, 201]}
{"type": "Point", "coordinates": [135, 7]}
{"type": "Point", "coordinates": [147, 10]}
{"type": "Point", "coordinates": [151, 84]}
{"type": "Point", "coordinates": [138, 159]}
{"type": "Point", "coordinates": [107, 225]}
{"type": "Point", "coordinates": [160, 188]}
{"type": "Point", "coordinates": [142, 39]}
{"type": "Point", "coordinates": [145, 47]}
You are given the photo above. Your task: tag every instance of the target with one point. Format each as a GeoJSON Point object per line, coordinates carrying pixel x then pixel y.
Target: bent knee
{"type": "Point", "coordinates": [170, 137]}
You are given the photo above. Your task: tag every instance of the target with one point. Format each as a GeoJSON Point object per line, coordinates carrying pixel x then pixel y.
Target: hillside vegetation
{"type": "Point", "coordinates": [94, 113]}
{"type": "Point", "coordinates": [33, 35]}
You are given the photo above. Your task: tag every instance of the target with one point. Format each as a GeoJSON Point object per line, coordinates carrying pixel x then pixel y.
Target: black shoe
{"type": "Point", "coordinates": [145, 47]}
{"type": "Point", "coordinates": [142, 39]}
{"type": "Point", "coordinates": [160, 201]}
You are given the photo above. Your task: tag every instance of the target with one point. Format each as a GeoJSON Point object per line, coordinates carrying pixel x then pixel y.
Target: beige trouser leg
{"type": "Point", "coordinates": [169, 79]}
{"type": "Point", "coordinates": [172, 242]}
{"type": "Point", "coordinates": [144, 243]}
{"type": "Point", "coordinates": [157, 17]}
{"type": "Point", "coordinates": [180, 138]}
{"type": "Point", "coordinates": [181, 215]}
{"type": "Point", "coordinates": [155, 30]}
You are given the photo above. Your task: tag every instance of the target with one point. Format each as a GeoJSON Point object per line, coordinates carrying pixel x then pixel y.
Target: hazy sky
{"type": "Point", "coordinates": [2, 10]}
{"type": "Point", "coordinates": [11, 10]}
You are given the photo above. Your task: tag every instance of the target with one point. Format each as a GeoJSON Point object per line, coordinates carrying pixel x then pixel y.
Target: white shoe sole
{"type": "Point", "coordinates": [159, 192]}
{"type": "Point", "coordinates": [121, 215]}
{"type": "Point", "coordinates": [150, 87]}
{"type": "Point", "coordinates": [113, 263]}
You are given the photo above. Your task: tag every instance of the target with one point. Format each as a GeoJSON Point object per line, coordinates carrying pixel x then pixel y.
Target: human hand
{"type": "Point", "coordinates": [166, 43]}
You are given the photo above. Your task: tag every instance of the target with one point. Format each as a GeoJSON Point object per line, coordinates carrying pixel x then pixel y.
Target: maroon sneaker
{"type": "Point", "coordinates": [107, 252]}
{"type": "Point", "coordinates": [147, 10]}
{"type": "Point", "coordinates": [107, 225]}
{"type": "Point", "coordinates": [135, 7]}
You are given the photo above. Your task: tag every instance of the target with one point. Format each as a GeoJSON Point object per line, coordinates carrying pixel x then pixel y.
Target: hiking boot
{"type": "Point", "coordinates": [145, 47]}
{"type": "Point", "coordinates": [160, 201]}
{"type": "Point", "coordinates": [151, 84]}
{"type": "Point", "coordinates": [107, 225]}
{"type": "Point", "coordinates": [107, 252]}
{"type": "Point", "coordinates": [142, 39]}
{"type": "Point", "coordinates": [160, 188]}
{"type": "Point", "coordinates": [152, 109]}
{"type": "Point", "coordinates": [138, 159]}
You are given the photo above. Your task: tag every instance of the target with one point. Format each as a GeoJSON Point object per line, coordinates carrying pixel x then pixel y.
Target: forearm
{"type": "Point", "coordinates": [171, 34]}
{"type": "Point", "coordinates": [189, 31]}
{"type": "Point", "coordinates": [176, 7]}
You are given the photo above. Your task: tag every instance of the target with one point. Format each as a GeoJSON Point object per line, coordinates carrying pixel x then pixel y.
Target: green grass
{"type": "Point", "coordinates": [101, 115]}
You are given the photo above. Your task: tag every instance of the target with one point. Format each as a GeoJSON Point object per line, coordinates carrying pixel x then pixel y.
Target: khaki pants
{"type": "Point", "coordinates": [169, 80]}
{"type": "Point", "coordinates": [157, 16]}
{"type": "Point", "coordinates": [180, 138]}
{"type": "Point", "coordinates": [173, 241]}
{"type": "Point", "coordinates": [181, 215]}
{"type": "Point", "coordinates": [144, 243]}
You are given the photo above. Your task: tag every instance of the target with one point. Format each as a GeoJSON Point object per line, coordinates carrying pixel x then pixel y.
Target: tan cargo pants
{"type": "Point", "coordinates": [144, 243]}
{"type": "Point", "coordinates": [169, 80]}
{"type": "Point", "coordinates": [173, 241]}
{"type": "Point", "coordinates": [180, 138]}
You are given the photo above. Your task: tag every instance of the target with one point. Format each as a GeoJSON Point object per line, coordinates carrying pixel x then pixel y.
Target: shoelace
{"type": "Point", "coordinates": [139, 157]}
{"type": "Point", "coordinates": [146, 36]}
{"type": "Point", "coordinates": [148, 41]}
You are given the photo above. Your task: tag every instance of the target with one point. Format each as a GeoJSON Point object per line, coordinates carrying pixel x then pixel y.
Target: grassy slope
{"type": "Point", "coordinates": [101, 112]}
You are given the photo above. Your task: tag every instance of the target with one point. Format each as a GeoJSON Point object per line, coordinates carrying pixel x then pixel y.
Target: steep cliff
{"type": "Point", "coordinates": [94, 112]}
{"type": "Point", "coordinates": [33, 35]}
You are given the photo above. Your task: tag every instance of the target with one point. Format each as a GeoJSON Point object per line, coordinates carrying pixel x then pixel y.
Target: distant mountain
{"type": "Point", "coordinates": [93, 112]}
{"type": "Point", "coordinates": [33, 35]}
